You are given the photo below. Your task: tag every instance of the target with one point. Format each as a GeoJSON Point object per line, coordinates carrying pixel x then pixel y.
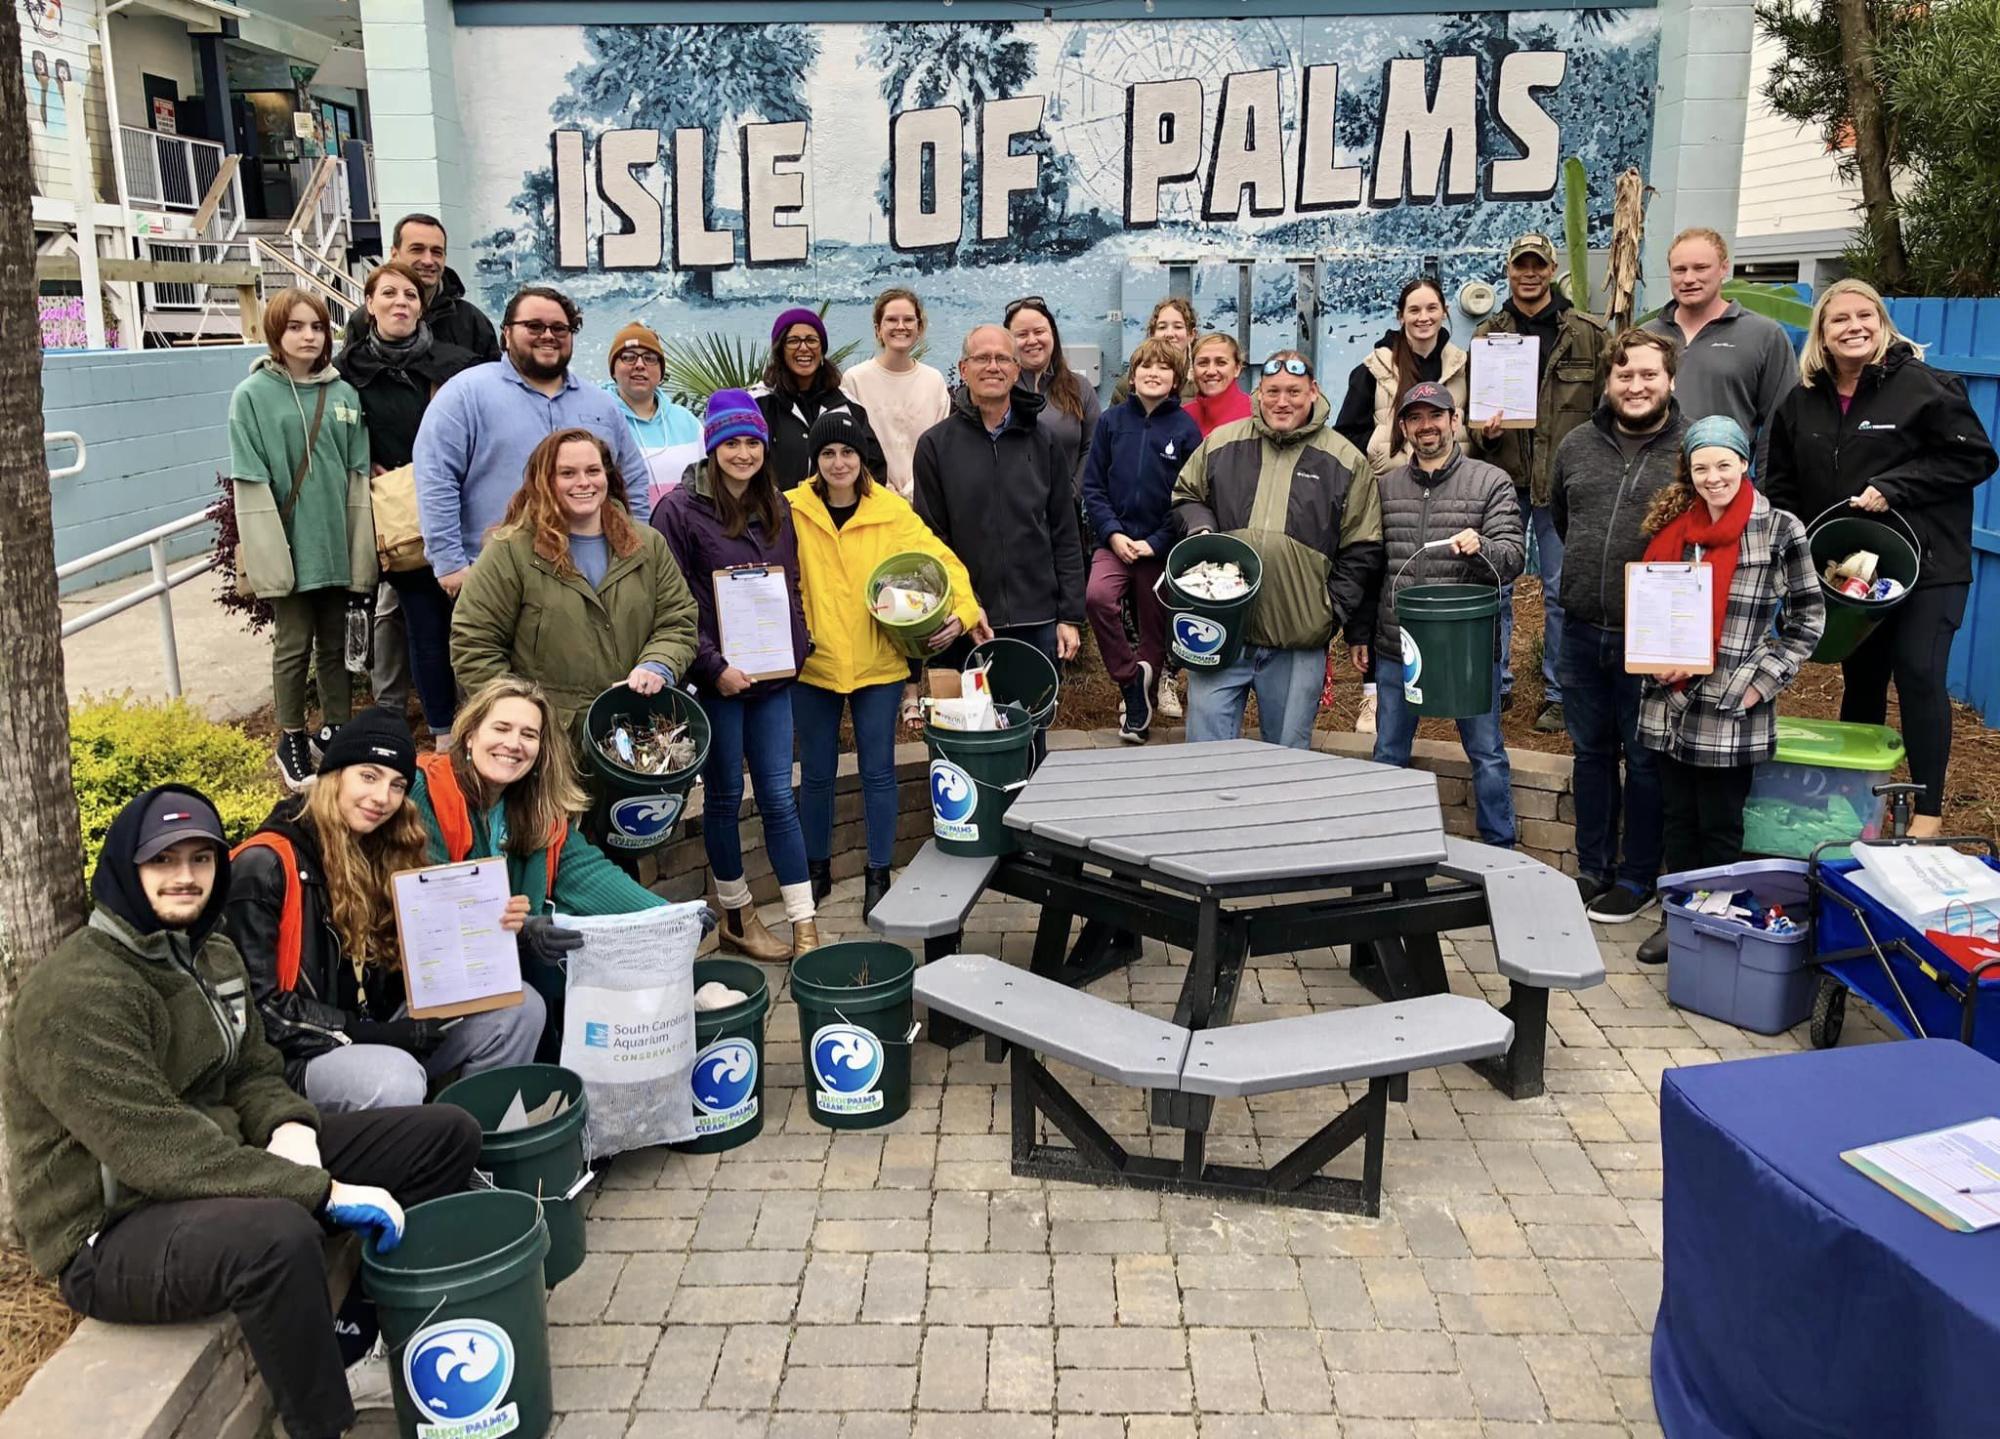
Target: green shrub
{"type": "Point", "coordinates": [120, 748]}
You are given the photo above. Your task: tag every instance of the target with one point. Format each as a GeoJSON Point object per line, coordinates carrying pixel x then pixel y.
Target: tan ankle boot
{"type": "Point", "coordinates": [805, 936]}
{"type": "Point", "coordinates": [742, 932]}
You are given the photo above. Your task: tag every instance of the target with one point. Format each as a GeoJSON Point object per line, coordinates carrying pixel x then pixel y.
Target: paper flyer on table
{"type": "Point", "coordinates": [1921, 881]}
{"type": "Point", "coordinates": [1953, 1175]}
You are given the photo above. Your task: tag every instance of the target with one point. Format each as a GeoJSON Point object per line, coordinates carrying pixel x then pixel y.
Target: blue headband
{"type": "Point", "coordinates": [1715, 431]}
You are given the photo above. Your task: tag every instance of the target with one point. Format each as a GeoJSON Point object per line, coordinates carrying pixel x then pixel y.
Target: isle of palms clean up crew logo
{"type": "Point", "coordinates": [457, 1373]}
{"type": "Point", "coordinates": [847, 1062]}
{"type": "Point", "coordinates": [638, 822]}
{"type": "Point", "coordinates": [1196, 640]}
{"type": "Point", "coordinates": [1413, 670]}
{"type": "Point", "coordinates": [953, 800]}
{"type": "Point", "coordinates": [724, 1084]}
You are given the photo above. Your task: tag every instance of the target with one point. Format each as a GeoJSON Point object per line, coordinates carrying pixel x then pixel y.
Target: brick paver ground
{"type": "Point", "coordinates": [903, 1282]}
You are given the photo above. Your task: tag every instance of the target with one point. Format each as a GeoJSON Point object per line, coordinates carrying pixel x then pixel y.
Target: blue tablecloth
{"type": "Point", "coordinates": [1800, 1298]}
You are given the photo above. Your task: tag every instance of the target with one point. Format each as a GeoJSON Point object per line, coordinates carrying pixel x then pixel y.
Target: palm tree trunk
{"type": "Point", "coordinates": [41, 883]}
{"type": "Point", "coordinates": [1871, 141]}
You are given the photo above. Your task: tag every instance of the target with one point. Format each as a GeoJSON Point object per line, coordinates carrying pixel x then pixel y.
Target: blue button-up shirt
{"type": "Point", "coordinates": [472, 451]}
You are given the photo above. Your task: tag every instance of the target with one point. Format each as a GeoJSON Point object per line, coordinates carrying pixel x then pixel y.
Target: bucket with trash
{"type": "Point", "coordinates": [644, 752]}
{"type": "Point", "coordinates": [982, 752]}
{"type": "Point", "coordinates": [856, 1025]}
{"type": "Point", "coordinates": [531, 1119]}
{"type": "Point", "coordinates": [1866, 569]}
{"type": "Point", "coordinates": [1209, 582]}
{"type": "Point", "coordinates": [910, 597]}
{"type": "Point", "coordinates": [726, 1089]}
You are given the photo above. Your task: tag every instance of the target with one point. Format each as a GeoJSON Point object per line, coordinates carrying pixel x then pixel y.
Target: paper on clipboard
{"type": "Point", "coordinates": [753, 619]}
{"type": "Point", "coordinates": [456, 957]}
{"type": "Point", "coordinates": [1506, 380]}
{"type": "Point", "coordinates": [1669, 618]}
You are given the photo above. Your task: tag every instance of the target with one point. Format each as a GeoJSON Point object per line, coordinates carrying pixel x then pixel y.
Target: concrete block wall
{"type": "Point", "coordinates": [420, 162]}
{"type": "Point", "coordinates": [1699, 115]}
{"type": "Point", "coordinates": [156, 423]}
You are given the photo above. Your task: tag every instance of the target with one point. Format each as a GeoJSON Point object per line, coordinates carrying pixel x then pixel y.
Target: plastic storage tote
{"type": "Point", "coordinates": [1728, 969]}
{"type": "Point", "coordinates": [1817, 787]}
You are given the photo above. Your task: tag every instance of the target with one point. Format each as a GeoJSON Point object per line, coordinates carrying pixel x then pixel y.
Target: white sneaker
{"type": "Point", "coordinates": [1364, 719]}
{"type": "Point", "coordinates": [1168, 706]}
{"type": "Point", "coordinates": [369, 1383]}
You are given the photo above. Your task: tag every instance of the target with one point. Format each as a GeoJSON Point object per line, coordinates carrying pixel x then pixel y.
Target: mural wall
{"type": "Point", "coordinates": [701, 178]}
{"type": "Point", "coordinates": [58, 61]}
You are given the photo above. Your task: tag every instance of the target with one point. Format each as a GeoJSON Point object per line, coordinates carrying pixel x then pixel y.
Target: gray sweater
{"type": "Point", "coordinates": [1599, 498]}
{"type": "Point", "coordinates": [1740, 365]}
{"type": "Point", "coordinates": [1467, 494]}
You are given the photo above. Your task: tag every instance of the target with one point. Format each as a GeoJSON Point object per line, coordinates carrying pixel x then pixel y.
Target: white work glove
{"type": "Point", "coordinates": [368, 1209]}
{"type": "Point", "coordinates": [296, 1142]}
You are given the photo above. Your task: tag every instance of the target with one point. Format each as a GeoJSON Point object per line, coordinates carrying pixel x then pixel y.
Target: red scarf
{"type": "Point", "coordinates": [1212, 411]}
{"type": "Point", "coordinates": [1719, 540]}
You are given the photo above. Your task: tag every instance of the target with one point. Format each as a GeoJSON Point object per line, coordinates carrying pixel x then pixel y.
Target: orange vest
{"type": "Point", "coordinates": [291, 916]}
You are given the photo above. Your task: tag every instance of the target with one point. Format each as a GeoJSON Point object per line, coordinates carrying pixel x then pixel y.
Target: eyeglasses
{"type": "Point", "coordinates": [801, 342]}
{"type": "Point", "coordinates": [989, 361]}
{"type": "Point", "coordinates": [635, 357]}
{"type": "Point", "coordinates": [537, 328]}
{"type": "Point", "coordinates": [1026, 302]}
{"type": "Point", "coordinates": [1290, 364]}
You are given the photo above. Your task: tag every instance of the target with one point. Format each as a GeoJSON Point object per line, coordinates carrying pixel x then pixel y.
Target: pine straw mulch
{"type": "Point", "coordinates": [34, 1321]}
{"type": "Point", "coordinates": [1971, 805]}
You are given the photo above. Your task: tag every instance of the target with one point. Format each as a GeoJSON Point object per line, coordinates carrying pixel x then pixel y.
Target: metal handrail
{"type": "Point", "coordinates": [160, 588]}
{"type": "Point", "coordinates": [75, 442]}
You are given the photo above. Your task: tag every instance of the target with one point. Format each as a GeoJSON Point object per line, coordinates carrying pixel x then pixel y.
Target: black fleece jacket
{"type": "Point", "coordinates": [1598, 498]}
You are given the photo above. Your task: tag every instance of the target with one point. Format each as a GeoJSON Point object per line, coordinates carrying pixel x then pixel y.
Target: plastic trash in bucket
{"type": "Point", "coordinates": [1899, 556]}
{"type": "Point", "coordinates": [1019, 674]}
{"type": "Point", "coordinates": [727, 1086]}
{"type": "Point", "coordinates": [855, 1031]}
{"type": "Point", "coordinates": [1203, 633]}
{"type": "Point", "coordinates": [974, 777]}
{"type": "Point", "coordinates": [1448, 635]}
{"type": "Point", "coordinates": [637, 812]}
{"type": "Point", "coordinates": [464, 1315]}
{"type": "Point", "coordinates": [912, 637]}
{"type": "Point", "coordinates": [544, 1160]}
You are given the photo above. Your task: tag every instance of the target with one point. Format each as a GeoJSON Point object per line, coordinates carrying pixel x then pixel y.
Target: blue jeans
{"type": "Point", "coordinates": [1492, 780]}
{"type": "Point", "coordinates": [1549, 565]}
{"type": "Point", "coordinates": [1287, 684]}
{"type": "Point", "coordinates": [816, 716]}
{"type": "Point", "coordinates": [427, 624]}
{"type": "Point", "coordinates": [1601, 713]}
{"type": "Point", "coordinates": [757, 728]}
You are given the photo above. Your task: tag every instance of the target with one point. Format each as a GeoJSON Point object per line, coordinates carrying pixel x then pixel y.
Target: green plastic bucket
{"type": "Point", "coordinates": [855, 1030]}
{"type": "Point", "coordinates": [1019, 674]}
{"type": "Point", "coordinates": [636, 813]}
{"type": "Point", "coordinates": [1849, 621]}
{"type": "Point", "coordinates": [1449, 633]}
{"type": "Point", "coordinates": [544, 1160]}
{"type": "Point", "coordinates": [974, 777]}
{"type": "Point", "coordinates": [727, 1086]}
{"type": "Point", "coordinates": [1207, 634]}
{"type": "Point", "coordinates": [464, 1314]}
{"type": "Point", "coordinates": [912, 637]}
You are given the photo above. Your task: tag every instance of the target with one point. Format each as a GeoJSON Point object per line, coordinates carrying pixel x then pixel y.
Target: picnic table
{"type": "Point", "coordinates": [1232, 850]}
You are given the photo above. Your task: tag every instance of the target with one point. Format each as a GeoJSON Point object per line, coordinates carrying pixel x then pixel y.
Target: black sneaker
{"type": "Point", "coordinates": [1653, 948]}
{"type": "Point", "coordinates": [1135, 724]}
{"type": "Point", "coordinates": [295, 761]}
{"type": "Point", "coordinates": [319, 739]}
{"type": "Point", "coordinates": [1591, 886]}
{"type": "Point", "coordinates": [1620, 904]}
{"type": "Point", "coordinates": [1550, 719]}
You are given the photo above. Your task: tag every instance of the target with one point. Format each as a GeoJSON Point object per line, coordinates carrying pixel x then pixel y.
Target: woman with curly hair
{"type": "Point", "coordinates": [310, 909]}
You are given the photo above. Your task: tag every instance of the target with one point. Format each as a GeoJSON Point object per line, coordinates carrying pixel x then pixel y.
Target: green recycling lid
{"type": "Point", "coordinates": [1833, 745]}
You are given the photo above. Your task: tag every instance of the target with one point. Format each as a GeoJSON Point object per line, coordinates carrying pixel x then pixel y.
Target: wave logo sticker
{"type": "Point", "coordinates": [457, 1373]}
{"type": "Point", "coordinates": [1413, 670]}
{"type": "Point", "coordinates": [725, 1086]}
{"type": "Point", "coordinates": [954, 800]}
{"type": "Point", "coordinates": [642, 821]}
{"type": "Point", "coordinates": [1198, 641]}
{"type": "Point", "coordinates": [847, 1062]}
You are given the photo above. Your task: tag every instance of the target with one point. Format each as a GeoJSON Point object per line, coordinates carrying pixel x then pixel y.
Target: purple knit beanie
{"type": "Point", "coordinates": [799, 315]}
{"type": "Point", "coordinates": [730, 413]}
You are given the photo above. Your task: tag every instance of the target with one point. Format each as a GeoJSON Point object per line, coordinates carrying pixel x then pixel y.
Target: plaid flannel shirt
{"type": "Point", "coordinates": [1774, 618]}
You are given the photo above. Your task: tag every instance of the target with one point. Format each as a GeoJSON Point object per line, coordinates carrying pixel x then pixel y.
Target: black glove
{"type": "Point", "coordinates": [545, 942]}
{"type": "Point", "coordinates": [413, 1036]}
{"type": "Point", "coordinates": [709, 920]}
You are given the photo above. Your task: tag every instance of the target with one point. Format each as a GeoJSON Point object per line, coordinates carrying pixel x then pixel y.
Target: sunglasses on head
{"type": "Point", "coordinates": [1026, 302]}
{"type": "Point", "coordinates": [1290, 364]}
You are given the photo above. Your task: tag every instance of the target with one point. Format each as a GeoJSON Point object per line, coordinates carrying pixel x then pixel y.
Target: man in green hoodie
{"type": "Point", "coordinates": [161, 1168]}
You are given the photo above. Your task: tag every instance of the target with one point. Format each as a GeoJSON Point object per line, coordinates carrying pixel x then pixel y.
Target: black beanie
{"type": "Point", "coordinates": [374, 736]}
{"type": "Point", "coordinates": [835, 427]}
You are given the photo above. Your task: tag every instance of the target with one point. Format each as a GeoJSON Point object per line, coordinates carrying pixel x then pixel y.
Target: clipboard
{"type": "Point", "coordinates": [753, 621]}
{"type": "Point", "coordinates": [506, 959]}
{"type": "Point", "coordinates": [1678, 600]}
{"type": "Point", "coordinates": [1522, 354]}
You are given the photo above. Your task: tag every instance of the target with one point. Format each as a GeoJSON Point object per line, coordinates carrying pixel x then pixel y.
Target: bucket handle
{"type": "Point", "coordinates": [1438, 545]}
{"type": "Point", "coordinates": [908, 1041]}
{"type": "Point", "coordinates": [1916, 545]}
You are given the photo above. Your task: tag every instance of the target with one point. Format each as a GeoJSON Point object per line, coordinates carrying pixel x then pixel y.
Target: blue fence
{"type": "Point", "coordinates": [1963, 336]}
